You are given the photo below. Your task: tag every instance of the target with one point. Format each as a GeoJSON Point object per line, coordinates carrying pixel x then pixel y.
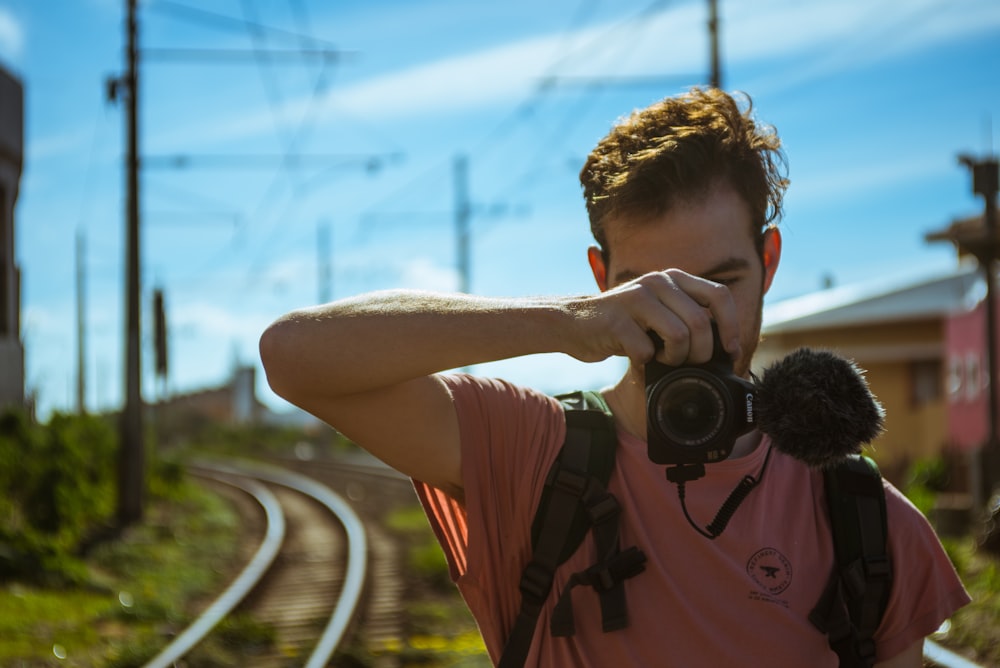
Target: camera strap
{"type": "Point", "coordinates": [681, 475]}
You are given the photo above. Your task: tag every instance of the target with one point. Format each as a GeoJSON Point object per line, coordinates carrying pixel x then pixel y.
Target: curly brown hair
{"type": "Point", "coordinates": [675, 150]}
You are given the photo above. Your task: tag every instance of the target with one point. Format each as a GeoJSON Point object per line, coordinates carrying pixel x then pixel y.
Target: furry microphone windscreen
{"type": "Point", "coordinates": [817, 407]}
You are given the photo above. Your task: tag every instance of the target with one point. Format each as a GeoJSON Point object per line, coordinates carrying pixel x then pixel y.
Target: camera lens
{"type": "Point", "coordinates": [689, 410]}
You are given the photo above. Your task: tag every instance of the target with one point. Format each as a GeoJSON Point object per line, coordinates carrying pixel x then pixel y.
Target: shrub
{"type": "Point", "coordinates": [59, 488]}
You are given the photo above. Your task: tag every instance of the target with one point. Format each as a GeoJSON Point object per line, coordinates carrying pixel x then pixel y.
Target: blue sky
{"type": "Point", "coordinates": [874, 101]}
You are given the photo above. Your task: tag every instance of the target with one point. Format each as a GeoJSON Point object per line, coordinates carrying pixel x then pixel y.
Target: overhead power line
{"type": "Point", "coordinates": [268, 161]}
{"type": "Point", "coordinates": [619, 81]}
{"type": "Point", "coordinates": [237, 25]}
{"type": "Point", "coordinates": [243, 56]}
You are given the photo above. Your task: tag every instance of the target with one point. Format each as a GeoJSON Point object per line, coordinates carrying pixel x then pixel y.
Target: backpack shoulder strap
{"type": "Point", "coordinates": [573, 499]}
{"type": "Point", "coordinates": [852, 606]}
{"type": "Point", "coordinates": [589, 451]}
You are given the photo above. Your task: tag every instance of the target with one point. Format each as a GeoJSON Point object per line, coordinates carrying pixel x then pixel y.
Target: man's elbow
{"type": "Point", "coordinates": [277, 357]}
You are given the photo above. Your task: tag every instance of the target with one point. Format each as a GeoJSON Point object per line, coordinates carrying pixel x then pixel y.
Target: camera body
{"type": "Point", "coordinates": [695, 413]}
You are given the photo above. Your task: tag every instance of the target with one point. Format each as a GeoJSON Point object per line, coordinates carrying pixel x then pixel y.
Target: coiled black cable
{"type": "Point", "coordinates": [729, 506]}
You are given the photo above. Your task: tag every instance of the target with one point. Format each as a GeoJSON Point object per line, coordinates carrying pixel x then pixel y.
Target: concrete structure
{"type": "Point", "coordinates": [898, 335]}
{"type": "Point", "coordinates": [11, 161]}
{"type": "Point", "coordinates": [233, 403]}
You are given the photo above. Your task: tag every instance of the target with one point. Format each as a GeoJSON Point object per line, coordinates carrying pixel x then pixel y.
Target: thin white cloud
{"type": "Point", "coordinates": [513, 71]}
{"type": "Point", "coordinates": [675, 42]}
{"type": "Point", "coordinates": [818, 40]}
{"type": "Point", "coordinates": [502, 74]}
{"type": "Point", "coordinates": [844, 34]}
{"type": "Point", "coordinates": [829, 184]}
{"type": "Point", "coordinates": [217, 321]}
{"type": "Point", "coordinates": [424, 274]}
{"type": "Point", "coordinates": [11, 35]}
{"type": "Point", "coordinates": [555, 372]}
{"type": "Point", "coordinates": [71, 142]}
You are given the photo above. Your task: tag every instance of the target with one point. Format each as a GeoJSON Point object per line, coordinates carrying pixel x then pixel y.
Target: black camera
{"type": "Point", "coordinates": [695, 413]}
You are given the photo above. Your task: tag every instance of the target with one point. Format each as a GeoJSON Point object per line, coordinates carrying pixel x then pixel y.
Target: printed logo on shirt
{"type": "Point", "coordinates": [771, 570]}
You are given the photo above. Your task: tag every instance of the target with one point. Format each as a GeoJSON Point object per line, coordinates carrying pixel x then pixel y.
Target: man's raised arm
{"type": "Point", "coordinates": [366, 365]}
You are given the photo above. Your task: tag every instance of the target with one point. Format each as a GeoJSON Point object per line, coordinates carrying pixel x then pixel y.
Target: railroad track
{"type": "Point", "coordinates": [373, 490]}
{"type": "Point", "coordinates": [306, 578]}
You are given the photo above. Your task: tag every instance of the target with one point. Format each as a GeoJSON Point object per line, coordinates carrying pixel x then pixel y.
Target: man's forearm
{"type": "Point", "coordinates": [380, 339]}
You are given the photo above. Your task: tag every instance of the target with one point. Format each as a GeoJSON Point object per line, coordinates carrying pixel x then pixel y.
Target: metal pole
{"type": "Point", "coordinates": [715, 77]}
{"type": "Point", "coordinates": [131, 470]}
{"type": "Point", "coordinates": [324, 272]}
{"type": "Point", "coordinates": [986, 185]}
{"type": "Point", "coordinates": [986, 182]}
{"type": "Point", "coordinates": [81, 309]}
{"type": "Point", "coordinates": [988, 265]}
{"type": "Point", "coordinates": [462, 214]}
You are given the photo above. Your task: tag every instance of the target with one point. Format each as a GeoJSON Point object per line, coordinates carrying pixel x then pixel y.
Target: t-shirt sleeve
{"type": "Point", "coordinates": [926, 590]}
{"type": "Point", "coordinates": [510, 435]}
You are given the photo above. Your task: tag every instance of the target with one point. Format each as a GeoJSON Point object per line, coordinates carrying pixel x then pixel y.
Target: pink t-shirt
{"type": "Point", "coordinates": [740, 600]}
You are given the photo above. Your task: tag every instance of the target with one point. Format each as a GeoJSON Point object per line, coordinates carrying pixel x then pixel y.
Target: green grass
{"type": "Point", "coordinates": [141, 589]}
{"type": "Point", "coordinates": [36, 624]}
{"type": "Point", "coordinates": [440, 631]}
{"type": "Point", "coordinates": [409, 520]}
{"type": "Point", "coordinates": [975, 629]}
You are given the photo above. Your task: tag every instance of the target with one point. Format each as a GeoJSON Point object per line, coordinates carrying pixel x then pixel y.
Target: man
{"type": "Point", "coordinates": [682, 197]}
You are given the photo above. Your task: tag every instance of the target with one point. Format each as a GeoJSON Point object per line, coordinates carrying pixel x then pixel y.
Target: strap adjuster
{"type": "Point", "coordinates": [878, 566]}
{"type": "Point", "coordinates": [536, 581]}
{"type": "Point", "coordinates": [866, 649]}
{"type": "Point", "coordinates": [604, 509]}
{"type": "Point", "coordinates": [606, 574]}
{"type": "Point", "coordinates": [570, 482]}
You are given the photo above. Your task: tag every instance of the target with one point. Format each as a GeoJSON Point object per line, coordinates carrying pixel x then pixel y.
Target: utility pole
{"type": "Point", "coordinates": [463, 211]}
{"type": "Point", "coordinates": [715, 76]}
{"type": "Point", "coordinates": [986, 182]}
{"type": "Point", "coordinates": [161, 341]}
{"type": "Point", "coordinates": [131, 461]}
{"type": "Point", "coordinates": [324, 272]}
{"type": "Point", "coordinates": [714, 73]}
{"type": "Point", "coordinates": [81, 310]}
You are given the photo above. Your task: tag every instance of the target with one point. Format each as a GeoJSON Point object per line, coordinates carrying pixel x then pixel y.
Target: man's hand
{"type": "Point", "coordinates": [676, 306]}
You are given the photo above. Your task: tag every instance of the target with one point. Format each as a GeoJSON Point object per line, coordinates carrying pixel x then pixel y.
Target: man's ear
{"type": "Point", "coordinates": [770, 255]}
{"type": "Point", "coordinates": [597, 266]}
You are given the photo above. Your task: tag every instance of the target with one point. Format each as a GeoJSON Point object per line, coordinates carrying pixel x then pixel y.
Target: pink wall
{"type": "Point", "coordinates": [967, 378]}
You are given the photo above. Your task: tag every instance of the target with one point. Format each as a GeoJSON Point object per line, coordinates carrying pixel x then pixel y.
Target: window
{"type": "Point", "coordinates": [926, 381]}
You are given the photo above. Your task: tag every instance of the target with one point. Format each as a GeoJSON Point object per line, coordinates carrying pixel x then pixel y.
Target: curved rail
{"type": "Point", "coordinates": [244, 582]}
{"type": "Point", "coordinates": [946, 658]}
{"type": "Point", "coordinates": [357, 541]}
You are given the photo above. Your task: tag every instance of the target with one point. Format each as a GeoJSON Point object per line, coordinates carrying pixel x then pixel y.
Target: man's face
{"type": "Point", "coordinates": [709, 237]}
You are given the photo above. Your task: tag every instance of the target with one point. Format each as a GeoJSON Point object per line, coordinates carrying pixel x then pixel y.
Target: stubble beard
{"type": "Point", "coordinates": [748, 345]}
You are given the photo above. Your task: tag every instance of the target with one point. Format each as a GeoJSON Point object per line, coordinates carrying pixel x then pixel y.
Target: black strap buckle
{"type": "Point", "coordinates": [604, 509]}
{"type": "Point", "coordinates": [570, 482]}
{"type": "Point", "coordinates": [878, 566]}
{"type": "Point", "coordinates": [536, 581]}
{"type": "Point", "coordinates": [624, 565]}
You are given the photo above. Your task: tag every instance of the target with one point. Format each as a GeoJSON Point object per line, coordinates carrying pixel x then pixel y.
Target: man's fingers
{"type": "Point", "coordinates": [682, 318]}
{"type": "Point", "coordinates": [719, 301]}
{"type": "Point", "coordinates": [678, 308]}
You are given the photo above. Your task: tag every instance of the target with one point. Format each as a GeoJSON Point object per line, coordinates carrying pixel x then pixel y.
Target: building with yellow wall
{"type": "Point", "coordinates": [896, 334]}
